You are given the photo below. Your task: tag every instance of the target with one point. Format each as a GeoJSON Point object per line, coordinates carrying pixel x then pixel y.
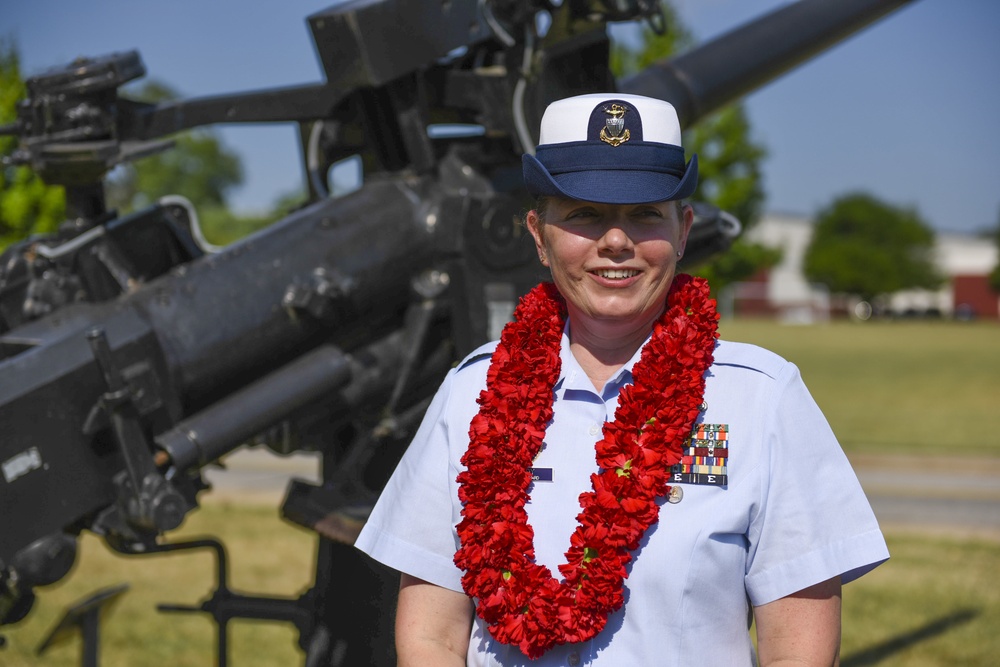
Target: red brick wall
{"type": "Point", "coordinates": [751, 296]}
{"type": "Point", "coordinates": [976, 292]}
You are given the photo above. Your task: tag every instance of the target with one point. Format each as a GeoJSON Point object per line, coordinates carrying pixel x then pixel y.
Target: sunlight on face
{"type": "Point", "coordinates": [613, 263]}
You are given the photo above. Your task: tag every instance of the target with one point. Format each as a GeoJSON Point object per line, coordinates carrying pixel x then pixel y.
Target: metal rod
{"type": "Point", "coordinates": [221, 427]}
{"type": "Point", "coordinates": [745, 59]}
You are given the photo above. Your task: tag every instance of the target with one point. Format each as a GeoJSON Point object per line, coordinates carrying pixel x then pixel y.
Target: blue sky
{"type": "Point", "coordinates": [908, 109]}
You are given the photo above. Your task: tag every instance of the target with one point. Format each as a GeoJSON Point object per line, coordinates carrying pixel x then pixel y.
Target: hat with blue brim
{"type": "Point", "coordinates": [611, 149]}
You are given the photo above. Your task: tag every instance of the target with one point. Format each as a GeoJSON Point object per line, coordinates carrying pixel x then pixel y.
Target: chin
{"type": "Point", "coordinates": [622, 316]}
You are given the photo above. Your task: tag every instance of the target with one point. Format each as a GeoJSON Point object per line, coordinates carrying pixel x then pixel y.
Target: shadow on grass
{"type": "Point", "coordinates": [873, 655]}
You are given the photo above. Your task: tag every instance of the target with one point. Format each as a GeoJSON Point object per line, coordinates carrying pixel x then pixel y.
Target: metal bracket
{"type": "Point", "coordinates": [150, 502]}
{"type": "Point", "coordinates": [325, 296]}
{"type": "Point", "coordinates": [225, 605]}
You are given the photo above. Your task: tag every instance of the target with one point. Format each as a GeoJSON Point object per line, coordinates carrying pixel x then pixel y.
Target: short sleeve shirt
{"type": "Point", "coordinates": [789, 514]}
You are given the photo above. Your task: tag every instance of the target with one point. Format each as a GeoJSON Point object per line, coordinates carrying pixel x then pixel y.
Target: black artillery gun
{"type": "Point", "coordinates": [132, 354]}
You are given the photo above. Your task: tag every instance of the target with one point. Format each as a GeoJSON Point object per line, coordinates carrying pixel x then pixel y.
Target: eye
{"type": "Point", "coordinates": [648, 214]}
{"type": "Point", "coordinates": [582, 215]}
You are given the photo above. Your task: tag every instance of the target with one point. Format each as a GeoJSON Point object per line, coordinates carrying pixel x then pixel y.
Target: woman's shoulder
{"type": "Point", "coordinates": [462, 385]}
{"type": "Point", "coordinates": [750, 357]}
{"type": "Point", "coordinates": [478, 357]}
{"type": "Point", "coordinates": [468, 376]}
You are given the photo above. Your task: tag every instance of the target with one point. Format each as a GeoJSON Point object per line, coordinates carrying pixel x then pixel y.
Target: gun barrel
{"type": "Point", "coordinates": [195, 336]}
{"type": "Point", "coordinates": [745, 59]}
{"type": "Point", "coordinates": [232, 421]}
{"type": "Point", "coordinates": [372, 241]}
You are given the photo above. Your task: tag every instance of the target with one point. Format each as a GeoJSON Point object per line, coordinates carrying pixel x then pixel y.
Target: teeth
{"type": "Point", "coordinates": [617, 274]}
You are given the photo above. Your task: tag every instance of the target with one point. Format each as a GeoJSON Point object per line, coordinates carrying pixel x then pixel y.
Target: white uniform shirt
{"type": "Point", "coordinates": [791, 515]}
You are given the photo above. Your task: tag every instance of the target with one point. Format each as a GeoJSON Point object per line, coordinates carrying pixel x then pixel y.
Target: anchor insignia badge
{"type": "Point", "coordinates": [614, 131]}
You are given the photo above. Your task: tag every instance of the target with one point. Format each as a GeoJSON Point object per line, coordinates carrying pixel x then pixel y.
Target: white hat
{"type": "Point", "coordinates": [610, 148]}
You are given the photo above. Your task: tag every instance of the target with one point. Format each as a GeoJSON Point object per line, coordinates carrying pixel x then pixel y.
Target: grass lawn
{"type": "Point", "coordinates": [934, 603]}
{"type": "Point", "coordinates": [267, 556]}
{"type": "Point", "coordinates": [896, 387]}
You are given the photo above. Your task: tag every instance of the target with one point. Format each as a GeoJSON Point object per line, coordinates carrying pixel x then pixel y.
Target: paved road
{"type": "Point", "coordinates": [933, 494]}
{"type": "Point", "coordinates": [255, 474]}
{"type": "Point", "coordinates": [907, 493]}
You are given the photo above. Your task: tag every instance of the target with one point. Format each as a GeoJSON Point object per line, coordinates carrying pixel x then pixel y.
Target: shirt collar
{"type": "Point", "coordinates": [573, 377]}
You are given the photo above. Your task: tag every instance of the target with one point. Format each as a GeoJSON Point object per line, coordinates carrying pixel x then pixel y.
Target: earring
{"type": "Point", "coordinates": [679, 254]}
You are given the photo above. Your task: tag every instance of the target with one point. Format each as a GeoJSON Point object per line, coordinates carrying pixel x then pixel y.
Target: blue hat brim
{"type": "Point", "coordinates": [610, 186]}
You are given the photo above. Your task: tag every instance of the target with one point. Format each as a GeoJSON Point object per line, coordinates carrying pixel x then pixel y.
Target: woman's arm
{"type": "Point", "coordinates": [433, 624]}
{"type": "Point", "coordinates": [802, 629]}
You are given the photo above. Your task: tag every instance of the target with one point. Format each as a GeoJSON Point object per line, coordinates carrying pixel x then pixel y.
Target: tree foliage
{"type": "Point", "coordinates": [730, 178]}
{"type": "Point", "coordinates": [27, 205]}
{"type": "Point", "coordinates": [729, 172]}
{"type": "Point", "coordinates": [198, 167]}
{"type": "Point", "coordinates": [865, 247]}
{"type": "Point", "coordinates": [626, 59]}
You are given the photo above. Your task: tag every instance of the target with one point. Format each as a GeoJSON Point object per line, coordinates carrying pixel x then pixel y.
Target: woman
{"type": "Point", "coordinates": [715, 493]}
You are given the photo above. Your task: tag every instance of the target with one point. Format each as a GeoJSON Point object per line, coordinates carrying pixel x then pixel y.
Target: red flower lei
{"type": "Point", "coordinates": [522, 602]}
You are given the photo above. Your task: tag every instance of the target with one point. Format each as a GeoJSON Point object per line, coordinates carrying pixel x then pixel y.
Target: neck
{"type": "Point", "coordinates": [602, 350]}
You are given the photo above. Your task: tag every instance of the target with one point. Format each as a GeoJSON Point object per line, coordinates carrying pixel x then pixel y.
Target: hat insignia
{"type": "Point", "coordinates": [614, 131]}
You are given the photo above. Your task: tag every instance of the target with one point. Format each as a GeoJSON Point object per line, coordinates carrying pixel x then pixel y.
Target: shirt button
{"type": "Point", "coordinates": [595, 429]}
{"type": "Point", "coordinates": [574, 659]}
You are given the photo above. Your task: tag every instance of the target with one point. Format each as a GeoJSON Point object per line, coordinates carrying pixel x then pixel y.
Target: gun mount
{"type": "Point", "coordinates": [132, 354]}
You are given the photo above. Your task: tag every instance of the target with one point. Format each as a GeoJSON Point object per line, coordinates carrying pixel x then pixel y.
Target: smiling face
{"type": "Point", "coordinates": [612, 263]}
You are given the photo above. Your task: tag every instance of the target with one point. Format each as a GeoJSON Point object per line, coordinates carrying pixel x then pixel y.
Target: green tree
{"type": "Point", "coordinates": [865, 247]}
{"type": "Point", "coordinates": [198, 167]}
{"type": "Point", "coordinates": [730, 178]}
{"type": "Point", "coordinates": [728, 158]}
{"type": "Point", "coordinates": [627, 59]}
{"type": "Point", "coordinates": [729, 172]}
{"type": "Point", "coordinates": [27, 205]}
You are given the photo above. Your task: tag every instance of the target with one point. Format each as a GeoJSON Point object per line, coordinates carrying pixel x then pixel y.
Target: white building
{"type": "Point", "coordinates": [784, 292]}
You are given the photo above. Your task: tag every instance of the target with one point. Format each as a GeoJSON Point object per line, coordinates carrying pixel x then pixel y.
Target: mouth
{"type": "Point", "coordinates": [616, 274]}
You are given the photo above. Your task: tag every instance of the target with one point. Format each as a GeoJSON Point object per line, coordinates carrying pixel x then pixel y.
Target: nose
{"type": "Point", "coordinates": [615, 238]}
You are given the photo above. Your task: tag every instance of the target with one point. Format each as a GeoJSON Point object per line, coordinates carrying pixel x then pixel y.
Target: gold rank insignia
{"type": "Point", "coordinates": [614, 131]}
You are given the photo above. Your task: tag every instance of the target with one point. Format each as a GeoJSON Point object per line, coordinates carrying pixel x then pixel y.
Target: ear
{"type": "Point", "coordinates": [536, 227]}
{"type": "Point", "coordinates": [687, 220]}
